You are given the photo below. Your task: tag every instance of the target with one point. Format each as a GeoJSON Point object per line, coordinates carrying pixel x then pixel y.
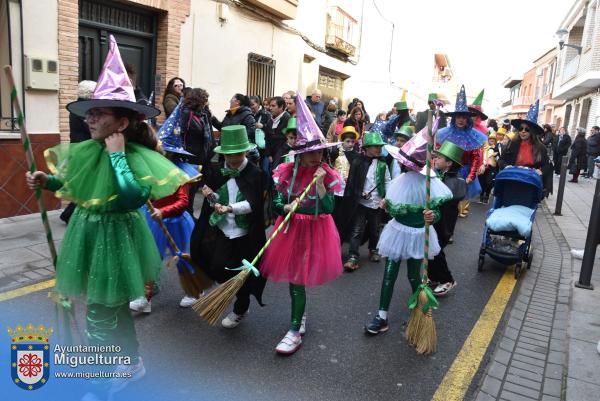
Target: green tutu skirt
{"type": "Point", "coordinates": [108, 256]}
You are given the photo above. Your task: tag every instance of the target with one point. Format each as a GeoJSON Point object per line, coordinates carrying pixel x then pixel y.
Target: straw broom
{"type": "Point", "coordinates": [211, 307]}
{"type": "Point", "coordinates": [192, 282]}
{"type": "Point", "coordinates": [62, 303]}
{"type": "Point", "coordinates": [421, 332]}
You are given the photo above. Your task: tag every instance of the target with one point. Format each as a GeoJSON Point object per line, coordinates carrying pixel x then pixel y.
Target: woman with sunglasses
{"type": "Point", "coordinates": [527, 150]}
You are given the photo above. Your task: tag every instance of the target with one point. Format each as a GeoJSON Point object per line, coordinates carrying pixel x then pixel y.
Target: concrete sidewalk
{"type": "Point", "coordinates": [583, 375]}
{"type": "Point", "coordinates": [547, 349]}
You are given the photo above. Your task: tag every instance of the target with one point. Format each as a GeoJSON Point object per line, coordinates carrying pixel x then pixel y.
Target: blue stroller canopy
{"type": "Point", "coordinates": [518, 186]}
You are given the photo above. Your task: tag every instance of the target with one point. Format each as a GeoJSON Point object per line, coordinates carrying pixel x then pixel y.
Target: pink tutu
{"type": "Point", "coordinates": [308, 253]}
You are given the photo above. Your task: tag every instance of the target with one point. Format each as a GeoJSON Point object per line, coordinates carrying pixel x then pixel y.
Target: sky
{"type": "Point", "coordinates": [487, 41]}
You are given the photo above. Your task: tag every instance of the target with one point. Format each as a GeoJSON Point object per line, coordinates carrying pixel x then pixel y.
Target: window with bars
{"type": "Point", "coordinates": [585, 113]}
{"type": "Point", "coordinates": [11, 53]}
{"type": "Point", "coordinates": [261, 76]}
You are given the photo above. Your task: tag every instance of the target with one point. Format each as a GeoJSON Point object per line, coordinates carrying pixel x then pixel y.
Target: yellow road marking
{"type": "Point", "coordinates": [458, 378]}
{"type": "Point", "coordinates": [19, 292]}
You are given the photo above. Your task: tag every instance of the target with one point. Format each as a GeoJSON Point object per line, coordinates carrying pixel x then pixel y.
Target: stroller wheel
{"type": "Point", "coordinates": [480, 262]}
{"type": "Point", "coordinates": [518, 268]}
{"type": "Point", "coordinates": [529, 258]}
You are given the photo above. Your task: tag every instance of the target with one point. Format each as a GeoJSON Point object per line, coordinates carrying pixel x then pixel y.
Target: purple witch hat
{"type": "Point", "coordinates": [310, 137]}
{"type": "Point", "coordinates": [530, 120]}
{"type": "Point", "coordinates": [113, 88]}
{"type": "Point", "coordinates": [413, 154]}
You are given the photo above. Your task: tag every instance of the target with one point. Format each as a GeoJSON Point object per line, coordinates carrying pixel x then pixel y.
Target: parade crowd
{"type": "Point", "coordinates": [337, 175]}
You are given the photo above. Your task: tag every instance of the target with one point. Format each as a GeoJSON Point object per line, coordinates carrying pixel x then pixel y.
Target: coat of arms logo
{"type": "Point", "coordinates": [30, 355]}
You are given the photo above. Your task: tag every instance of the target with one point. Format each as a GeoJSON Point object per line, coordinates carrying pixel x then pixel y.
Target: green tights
{"type": "Point", "coordinates": [391, 274]}
{"type": "Point", "coordinates": [112, 326]}
{"type": "Point", "coordinates": [298, 295]}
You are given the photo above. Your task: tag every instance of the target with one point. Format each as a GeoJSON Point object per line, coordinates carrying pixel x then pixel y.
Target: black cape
{"type": "Point", "coordinates": [212, 251]}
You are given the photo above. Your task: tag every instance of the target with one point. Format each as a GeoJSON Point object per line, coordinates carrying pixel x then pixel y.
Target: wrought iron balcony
{"type": "Point", "coordinates": [340, 31]}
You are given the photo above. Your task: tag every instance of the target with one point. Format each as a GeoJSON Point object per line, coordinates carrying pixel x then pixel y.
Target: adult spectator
{"type": "Point", "coordinates": [593, 149]}
{"type": "Point", "coordinates": [264, 122]}
{"type": "Point", "coordinates": [493, 124]}
{"type": "Point", "coordinates": [329, 116]}
{"type": "Point", "coordinates": [561, 148]}
{"type": "Point", "coordinates": [280, 121]}
{"type": "Point", "coordinates": [578, 159]}
{"type": "Point", "coordinates": [356, 120]}
{"type": "Point", "coordinates": [547, 138]}
{"type": "Point", "coordinates": [239, 113]}
{"type": "Point", "coordinates": [288, 95]}
{"type": "Point", "coordinates": [360, 103]}
{"type": "Point", "coordinates": [140, 96]}
{"type": "Point", "coordinates": [351, 105]}
{"type": "Point", "coordinates": [316, 106]}
{"type": "Point", "coordinates": [173, 92]}
{"type": "Point", "coordinates": [290, 106]}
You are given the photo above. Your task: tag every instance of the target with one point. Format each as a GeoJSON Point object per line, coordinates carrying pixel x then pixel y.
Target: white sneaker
{"type": "Point", "coordinates": [141, 305]}
{"type": "Point", "coordinates": [577, 253]}
{"type": "Point", "coordinates": [443, 289]}
{"type": "Point", "coordinates": [289, 344]}
{"type": "Point", "coordinates": [232, 320]}
{"type": "Point", "coordinates": [186, 301]}
{"type": "Point", "coordinates": [133, 372]}
{"type": "Point", "coordinates": [302, 330]}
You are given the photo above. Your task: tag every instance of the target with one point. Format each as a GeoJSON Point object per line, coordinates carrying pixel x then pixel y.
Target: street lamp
{"type": "Point", "coordinates": [561, 34]}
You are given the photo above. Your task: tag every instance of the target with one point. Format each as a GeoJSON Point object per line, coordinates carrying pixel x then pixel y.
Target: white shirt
{"type": "Point", "coordinates": [370, 183]}
{"type": "Point", "coordinates": [227, 225]}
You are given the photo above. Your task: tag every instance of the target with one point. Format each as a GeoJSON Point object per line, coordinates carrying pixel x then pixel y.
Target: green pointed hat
{"type": "Point", "coordinates": [234, 139]}
{"type": "Point", "coordinates": [401, 105]}
{"type": "Point", "coordinates": [476, 106]}
{"type": "Point", "coordinates": [432, 96]}
{"type": "Point", "coordinates": [405, 130]}
{"type": "Point", "coordinates": [452, 152]}
{"type": "Point", "coordinates": [372, 139]}
{"type": "Point", "coordinates": [292, 125]}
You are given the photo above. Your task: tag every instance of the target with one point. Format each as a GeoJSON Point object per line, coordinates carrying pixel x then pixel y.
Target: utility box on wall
{"type": "Point", "coordinates": [41, 73]}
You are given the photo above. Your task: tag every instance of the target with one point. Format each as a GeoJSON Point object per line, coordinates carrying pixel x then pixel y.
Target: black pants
{"type": "Point", "coordinates": [438, 269]}
{"type": "Point", "coordinates": [364, 219]}
{"type": "Point", "coordinates": [486, 180]}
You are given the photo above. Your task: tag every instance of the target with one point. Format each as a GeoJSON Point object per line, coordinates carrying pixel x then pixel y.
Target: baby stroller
{"type": "Point", "coordinates": [508, 228]}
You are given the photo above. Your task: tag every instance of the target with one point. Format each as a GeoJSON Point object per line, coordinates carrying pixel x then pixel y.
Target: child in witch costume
{"type": "Point", "coordinates": [108, 252]}
{"type": "Point", "coordinates": [403, 236]}
{"type": "Point", "coordinates": [447, 164]}
{"type": "Point", "coordinates": [341, 158]}
{"type": "Point", "coordinates": [461, 124]}
{"type": "Point", "coordinates": [231, 223]}
{"type": "Point", "coordinates": [307, 251]}
{"type": "Point", "coordinates": [403, 135]}
{"type": "Point", "coordinates": [283, 153]}
{"type": "Point", "coordinates": [367, 183]}
{"type": "Point", "coordinates": [172, 211]}
{"type": "Point", "coordinates": [490, 165]}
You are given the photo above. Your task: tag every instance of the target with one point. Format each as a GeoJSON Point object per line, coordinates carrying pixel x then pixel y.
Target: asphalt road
{"type": "Point", "coordinates": [190, 360]}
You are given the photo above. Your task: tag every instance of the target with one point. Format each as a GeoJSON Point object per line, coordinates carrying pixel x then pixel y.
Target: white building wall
{"type": "Point", "coordinates": [40, 39]}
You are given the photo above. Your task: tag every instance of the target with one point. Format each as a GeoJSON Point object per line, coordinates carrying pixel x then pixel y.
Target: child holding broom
{"type": "Point", "coordinates": [307, 252]}
{"type": "Point", "coordinates": [171, 211]}
{"type": "Point", "coordinates": [231, 224]}
{"type": "Point", "coordinates": [403, 236]}
{"type": "Point", "coordinates": [108, 252]}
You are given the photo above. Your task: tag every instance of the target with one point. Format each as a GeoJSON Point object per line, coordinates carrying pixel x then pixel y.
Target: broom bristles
{"type": "Point", "coordinates": [421, 332]}
{"type": "Point", "coordinates": [212, 306]}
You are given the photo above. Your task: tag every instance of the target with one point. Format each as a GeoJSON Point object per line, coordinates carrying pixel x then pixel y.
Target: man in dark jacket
{"type": "Point", "coordinates": [280, 121]}
{"type": "Point", "coordinates": [561, 148]}
{"type": "Point", "coordinates": [316, 106]}
{"type": "Point", "coordinates": [593, 149]}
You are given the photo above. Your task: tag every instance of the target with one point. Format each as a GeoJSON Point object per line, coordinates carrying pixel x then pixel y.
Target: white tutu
{"type": "Point", "coordinates": [400, 242]}
{"type": "Point", "coordinates": [409, 188]}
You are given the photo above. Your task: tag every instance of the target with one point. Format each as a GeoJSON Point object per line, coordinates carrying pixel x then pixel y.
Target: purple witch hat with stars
{"type": "Point", "coordinates": [309, 135]}
{"type": "Point", "coordinates": [461, 105]}
{"type": "Point", "coordinates": [530, 120]}
{"type": "Point", "coordinates": [113, 88]}
{"type": "Point", "coordinates": [169, 133]}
